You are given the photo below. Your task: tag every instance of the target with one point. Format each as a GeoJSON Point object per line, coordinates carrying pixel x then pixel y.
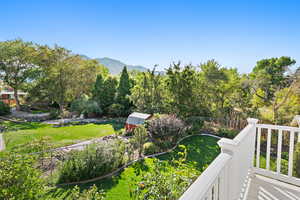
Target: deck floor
{"type": "Point", "coordinates": [262, 188]}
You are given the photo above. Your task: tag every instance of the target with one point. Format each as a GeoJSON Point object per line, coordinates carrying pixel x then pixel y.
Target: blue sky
{"type": "Point", "coordinates": [149, 32]}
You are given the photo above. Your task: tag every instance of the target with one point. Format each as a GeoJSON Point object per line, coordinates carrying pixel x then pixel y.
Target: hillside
{"type": "Point", "coordinates": [116, 66]}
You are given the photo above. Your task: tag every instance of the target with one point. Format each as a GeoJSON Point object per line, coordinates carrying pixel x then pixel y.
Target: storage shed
{"type": "Point", "coordinates": [135, 119]}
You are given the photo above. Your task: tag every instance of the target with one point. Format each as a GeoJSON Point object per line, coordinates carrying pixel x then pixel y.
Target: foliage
{"type": "Point", "coordinates": [84, 105]}
{"type": "Point", "coordinates": [104, 91]}
{"type": "Point", "coordinates": [167, 181]}
{"type": "Point", "coordinates": [17, 64]}
{"type": "Point", "coordinates": [166, 131]}
{"type": "Point", "coordinates": [4, 108]}
{"type": "Point", "coordinates": [19, 179]}
{"type": "Point", "coordinates": [195, 123]}
{"type": "Point", "coordinates": [64, 76]}
{"type": "Point", "coordinates": [94, 161]}
{"type": "Point", "coordinates": [269, 76]}
{"type": "Point", "coordinates": [123, 91]}
{"type": "Point", "coordinates": [89, 194]}
{"type": "Point", "coordinates": [116, 110]}
{"type": "Point", "coordinates": [150, 148]}
{"type": "Point", "coordinates": [183, 99]}
{"type": "Point", "coordinates": [227, 133]}
{"type": "Point", "coordinates": [148, 92]}
{"type": "Point", "coordinates": [139, 138]}
{"type": "Point", "coordinates": [297, 160]}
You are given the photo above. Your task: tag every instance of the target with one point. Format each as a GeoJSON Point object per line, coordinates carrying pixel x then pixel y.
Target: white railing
{"type": "Point", "coordinates": [226, 177]}
{"type": "Point", "coordinates": [277, 133]}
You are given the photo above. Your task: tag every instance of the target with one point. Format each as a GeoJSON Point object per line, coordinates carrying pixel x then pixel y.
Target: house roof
{"type": "Point", "coordinates": [137, 118]}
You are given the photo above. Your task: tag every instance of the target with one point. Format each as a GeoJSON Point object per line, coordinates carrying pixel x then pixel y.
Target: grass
{"type": "Point", "coordinates": [201, 151]}
{"type": "Point", "coordinates": [61, 136]}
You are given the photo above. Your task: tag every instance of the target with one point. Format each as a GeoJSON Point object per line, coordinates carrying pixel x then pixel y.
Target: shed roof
{"type": "Point", "coordinates": [137, 118]}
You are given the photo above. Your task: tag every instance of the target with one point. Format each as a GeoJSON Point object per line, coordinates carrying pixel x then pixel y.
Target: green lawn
{"type": "Point", "coordinates": [58, 136]}
{"type": "Point", "coordinates": [202, 150]}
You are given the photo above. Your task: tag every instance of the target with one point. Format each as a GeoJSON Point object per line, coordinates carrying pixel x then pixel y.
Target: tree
{"type": "Point", "coordinates": [149, 92]}
{"type": "Point", "coordinates": [123, 91]}
{"type": "Point", "coordinates": [17, 64]}
{"type": "Point", "coordinates": [183, 97]}
{"type": "Point", "coordinates": [64, 76]}
{"type": "Point", "coordinates": [268, 77]}
{"type": "Point", "coordinates": [104, 91]}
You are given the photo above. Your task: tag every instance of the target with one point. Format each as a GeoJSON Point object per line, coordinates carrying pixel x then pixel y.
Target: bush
{"type": "Point", "coordinates": [94, 161]}
{"type": "Point", "coordinates": [139, 138]}
{"type": "Point", "coordinates": [116, 110]}
{"type": "Point", "coordinates": [85, 106]}
{"type": "Point", "coordinates": [4, 108]}
{"type": "Point", "coordinates": [150, 148]}
{"type": "Point", "coordinates": [195, 123]}
{"type": "Point", "coordinates": [227, 133]}
{"type": "Point", "coordinates": [166, 131]}
{"type": "Point", "coordinates": [167, 180]}
{"type": "Point", "coordinates": [18, 179]}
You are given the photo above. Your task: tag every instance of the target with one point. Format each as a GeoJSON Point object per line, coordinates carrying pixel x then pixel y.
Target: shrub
{"type": "Point", "coordinates": [4, 108]}
{"type": "Point", "coordinates": [150, 148]}
{"type": "Point", "coordinates": [297, 160]}
{"type": "Point", "coordinates": [85, 106]}
{"type": "Point", "coordinates": [94, 161]}
{"type": "Point", "coordinates": [195, 123]}
{"type": "Point", "coordinates": [228, 133]}
{"type": "Point", "coordinates": [166, 131]}
{"type": "Point", "coordinates": [139, 138]}
{"type": "Point", "coordinates": [116, 110]}
{"type": "Point", "coordinates": [92, 194]}
{"type": "Point", "coordinates": [18, 179]}
{"type": "Point", "coordinates": [167, 180]}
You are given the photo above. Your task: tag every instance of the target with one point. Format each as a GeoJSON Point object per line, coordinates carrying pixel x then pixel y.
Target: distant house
{"type": "Point", "coordinates": [7, 94]}
{"type": "Point", "coordinates": [135, 119]}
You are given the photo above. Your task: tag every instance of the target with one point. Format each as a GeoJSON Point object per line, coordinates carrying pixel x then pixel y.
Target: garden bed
{"type": "Point", "coordinates": [201, 151]}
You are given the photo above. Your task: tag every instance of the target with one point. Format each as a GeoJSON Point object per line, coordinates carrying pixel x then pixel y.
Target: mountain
{"type": "Point", "coordinates": [116, 66]}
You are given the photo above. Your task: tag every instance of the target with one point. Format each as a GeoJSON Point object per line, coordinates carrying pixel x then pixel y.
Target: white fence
{"type": "Point", "coordinates": [226, 178]}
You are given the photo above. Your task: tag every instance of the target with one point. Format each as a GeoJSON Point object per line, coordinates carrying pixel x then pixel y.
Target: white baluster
{"type": "Point", "coordinates": [291, 153]}
{"type": "Point", "coordinates": [258, 147]}
{"type": "Point", "coordinates": [279, 146]}
{"type": "Point", "coordinates": [268, 149]}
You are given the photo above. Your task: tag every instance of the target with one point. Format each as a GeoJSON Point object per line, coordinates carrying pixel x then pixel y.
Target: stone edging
{"type": "Point", "coordinates": [131, 162]}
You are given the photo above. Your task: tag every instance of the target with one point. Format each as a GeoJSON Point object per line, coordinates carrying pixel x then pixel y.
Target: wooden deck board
{"type": "Point", "coordinates": [263, 188]}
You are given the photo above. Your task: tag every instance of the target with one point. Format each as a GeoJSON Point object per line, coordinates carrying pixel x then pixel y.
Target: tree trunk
{"type": "Point", "coordinates": [18, 107]}
{"type": "Point", "coordinates": [62, 109]}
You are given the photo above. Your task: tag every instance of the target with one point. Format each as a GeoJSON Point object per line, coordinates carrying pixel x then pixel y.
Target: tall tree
{"type": "Point", "coordinates": [269, 76]}
{"type": "Point", "coordinates": [104, 91]}
{"type": "Point", "coordinates": [17, 64]}
{"type": "Point", "coordinates": [148, 94]}
{"type": "Point", "coordinates": [123, 91]}
{"type": "Point", "coordinates": [183, 97]}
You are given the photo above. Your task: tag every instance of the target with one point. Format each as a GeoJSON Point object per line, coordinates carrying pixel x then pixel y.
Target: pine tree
{"type": "Point", "coordinates": [123, 91]}
{"type": "Point", "coordinates": [104, 92]}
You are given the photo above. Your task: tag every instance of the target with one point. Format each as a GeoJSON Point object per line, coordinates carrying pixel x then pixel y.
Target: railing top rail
{"type": "Point", "coordinates": [277, 127]}
{"type": "Point", "coordinates": [203, 183]}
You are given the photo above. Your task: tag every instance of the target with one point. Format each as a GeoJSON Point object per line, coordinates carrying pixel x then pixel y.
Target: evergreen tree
{"type": "Point", "coordinates": [104, 92]}
{"type": "Point", "coordinates": [123, 91]}
{"type": "Point", "coordinates": [98, 90]}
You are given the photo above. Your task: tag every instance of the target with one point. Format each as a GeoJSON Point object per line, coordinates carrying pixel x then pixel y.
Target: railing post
{"type": "Point", "coordinates": [242, 150]}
